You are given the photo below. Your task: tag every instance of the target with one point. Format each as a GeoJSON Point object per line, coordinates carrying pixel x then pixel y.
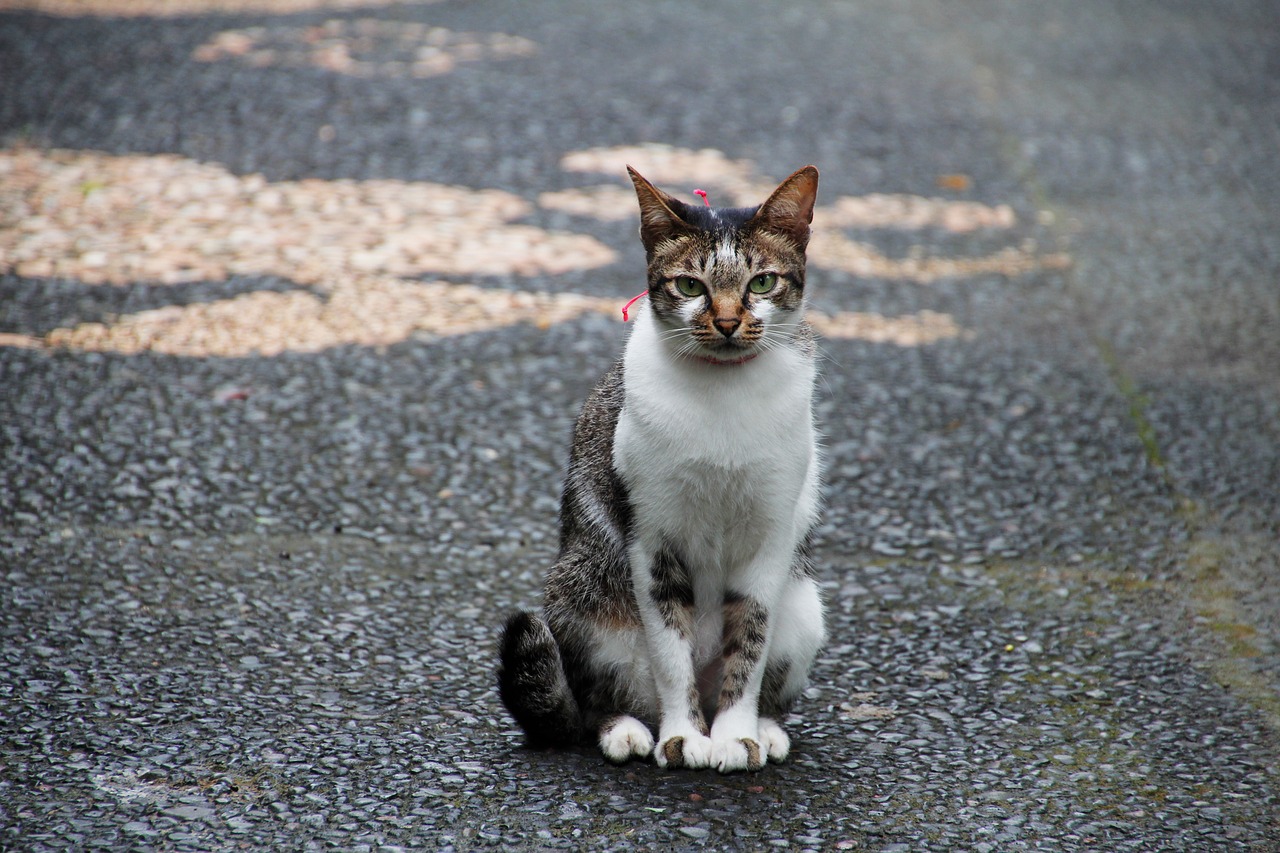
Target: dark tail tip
{"type": "Point", "coordinates": [532, 683]}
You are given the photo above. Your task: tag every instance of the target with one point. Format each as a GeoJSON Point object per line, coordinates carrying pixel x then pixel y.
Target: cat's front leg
{"type": "Point", "coordinates": [736, 733]}
{"type": "Point", "coordinates": [664, 593]}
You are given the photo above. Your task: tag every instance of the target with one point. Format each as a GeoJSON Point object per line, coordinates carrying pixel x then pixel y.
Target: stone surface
{"type": "Point", "coordinates": [298, 301]}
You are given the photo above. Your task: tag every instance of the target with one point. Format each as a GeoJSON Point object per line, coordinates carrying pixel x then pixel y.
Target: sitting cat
{"type": "Point", "coordinates": [684, 595]}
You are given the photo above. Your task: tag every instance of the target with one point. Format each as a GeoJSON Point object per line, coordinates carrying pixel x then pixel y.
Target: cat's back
{"type": "Point", "coordinates": [589, 579]}
{"type": "Point", "coordinates": [595, 503]}
{"type": "Point", "coordinates": [593, 431]}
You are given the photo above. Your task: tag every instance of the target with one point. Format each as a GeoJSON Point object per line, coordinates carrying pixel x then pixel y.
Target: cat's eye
{"type": "Point", "coordinates": [689, 286]}
{"type": "Point", "coordinates": [763, 283]}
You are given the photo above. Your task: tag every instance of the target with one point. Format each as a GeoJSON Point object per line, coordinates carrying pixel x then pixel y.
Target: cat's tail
{"type": "Point", "coordinates": [533, 686]}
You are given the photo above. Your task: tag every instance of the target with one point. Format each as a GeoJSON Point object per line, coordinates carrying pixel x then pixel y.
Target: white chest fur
{"type": "Point", "coordinates": [718, 459]}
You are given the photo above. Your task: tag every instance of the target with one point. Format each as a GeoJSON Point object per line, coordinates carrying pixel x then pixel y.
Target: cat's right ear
{"type": "Point", "coordinates": [659, 221]}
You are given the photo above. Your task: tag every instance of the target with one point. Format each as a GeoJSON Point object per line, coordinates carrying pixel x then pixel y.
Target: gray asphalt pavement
{"type": "Point", "coordinates": [298, 301]}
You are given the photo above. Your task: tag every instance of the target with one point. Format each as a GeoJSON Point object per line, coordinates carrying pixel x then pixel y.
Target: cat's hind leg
{"type": "Point", "coordinates": [623, 738]}
{"type": "Point", "coordinates": [611, 675]}
{"type": "Point", "coordinates": [798, 636]}
{"type": "Point", "coordinates": [774, 742]}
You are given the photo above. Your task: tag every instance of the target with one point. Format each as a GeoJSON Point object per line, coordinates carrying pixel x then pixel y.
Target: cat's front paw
{"type": "Point", "coordinates": [690, 750]}
{"type": "Point", "coordinates": [743, 753]}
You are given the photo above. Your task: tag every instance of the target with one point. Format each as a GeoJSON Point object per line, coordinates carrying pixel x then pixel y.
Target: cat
{"type": "Point", "coordinates": [684, 593]}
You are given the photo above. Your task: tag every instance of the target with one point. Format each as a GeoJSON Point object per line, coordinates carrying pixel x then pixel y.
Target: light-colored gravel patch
{"type": "Point", "coordinates": [364, 311]}
{"type": "Point", "coordinates": [174, 8]}
{"type": "Point", "coordinates": [366, 47]}
{"type": "Point", "coordinates": [107, 219]}
{"type": "Point", "coordinates": [368, 255]}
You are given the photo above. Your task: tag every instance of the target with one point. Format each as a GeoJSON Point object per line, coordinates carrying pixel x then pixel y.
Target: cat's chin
{"type": "Point", "coordinates": [725, 356]}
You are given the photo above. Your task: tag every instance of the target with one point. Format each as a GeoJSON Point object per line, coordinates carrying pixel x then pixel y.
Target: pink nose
{"type": "Point", "coordinates": [727, 325]}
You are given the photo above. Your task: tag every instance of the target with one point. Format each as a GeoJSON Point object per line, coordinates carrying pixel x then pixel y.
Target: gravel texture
{"type": "Point", "coordinates": [298, 301]}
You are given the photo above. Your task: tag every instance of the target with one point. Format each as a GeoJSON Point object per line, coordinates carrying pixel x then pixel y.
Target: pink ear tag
{"type": "Point", "coordinates": [702, 194]}
{"type": "Point", "coordinates": [632, 301]}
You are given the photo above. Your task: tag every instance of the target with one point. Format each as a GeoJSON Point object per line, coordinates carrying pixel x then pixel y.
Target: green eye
{"type": "Point", "coordinates": [690, 286]}
{"type": "Point", "coordinates": [763, 283]}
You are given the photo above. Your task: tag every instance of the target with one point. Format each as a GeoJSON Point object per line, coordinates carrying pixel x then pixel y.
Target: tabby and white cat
{"type": "Point", "coordinates": [683, 595]}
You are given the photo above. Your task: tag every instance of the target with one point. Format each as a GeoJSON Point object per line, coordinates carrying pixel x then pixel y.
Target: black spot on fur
{"type": "Point", "coordinates": [745, 631]}
{"type": "Point", "coordinates": [672, 591]}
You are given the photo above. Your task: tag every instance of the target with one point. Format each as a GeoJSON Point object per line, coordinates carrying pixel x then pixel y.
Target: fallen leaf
{"type": "Point", "coordinates": [228, 393]}
{"type": "Point", "coordinates": [957, 182]}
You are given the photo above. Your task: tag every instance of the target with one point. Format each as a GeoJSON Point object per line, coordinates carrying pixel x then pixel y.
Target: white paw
{"type": "Point", "coordinates": [624, 739]}
{"type": "Point", "coordinates": [690, 749]}
{"type": "Point", "coordinates": [774, 741]}
{"type": "Point", "coordinates": [744, 753]}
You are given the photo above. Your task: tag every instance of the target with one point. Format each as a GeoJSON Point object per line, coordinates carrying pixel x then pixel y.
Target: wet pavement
{"type": "Point", "coordinates": [298, 301]}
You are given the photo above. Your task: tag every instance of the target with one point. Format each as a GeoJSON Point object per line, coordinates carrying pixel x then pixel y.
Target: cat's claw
{"type": "Point", "coordinates": [625, 738]}
{"type": "Point", "coordinates": [774, 741]}
{"type": "Point", "coordinates": [741, 754]}
{"type": "Point", "coordinates": [691, 751]}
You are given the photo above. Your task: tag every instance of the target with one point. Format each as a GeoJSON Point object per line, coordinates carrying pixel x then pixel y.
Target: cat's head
{"type": "Point", "coordinates": [726, 284]}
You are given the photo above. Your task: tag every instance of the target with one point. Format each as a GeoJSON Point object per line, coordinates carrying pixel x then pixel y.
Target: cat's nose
{"type": "Point", "coordinates": [727, 325]}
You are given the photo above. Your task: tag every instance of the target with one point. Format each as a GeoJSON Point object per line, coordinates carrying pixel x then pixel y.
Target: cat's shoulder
{"type": "Point", "coordinates": [609, 391]}
{"type": "Point", "coordinates": [599, 414]}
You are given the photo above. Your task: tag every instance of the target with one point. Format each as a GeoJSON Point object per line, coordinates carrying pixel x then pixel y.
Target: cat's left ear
{"type": "Point", "coordinates": [790, 209]}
